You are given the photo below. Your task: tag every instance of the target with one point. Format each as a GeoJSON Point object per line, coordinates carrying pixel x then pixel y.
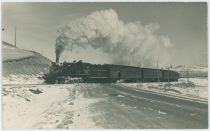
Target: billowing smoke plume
{"type": "Point", "coordinates": [103, 30]}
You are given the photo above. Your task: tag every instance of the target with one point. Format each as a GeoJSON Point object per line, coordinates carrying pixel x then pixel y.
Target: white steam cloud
{"type": "Point", "coordinates": [103, 30]}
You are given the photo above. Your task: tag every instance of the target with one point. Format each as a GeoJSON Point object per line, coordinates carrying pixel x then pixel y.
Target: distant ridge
{"type": "Point", "coordinates": [193, 71]}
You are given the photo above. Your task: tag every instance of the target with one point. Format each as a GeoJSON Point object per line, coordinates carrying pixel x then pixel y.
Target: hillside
{"type": "Point", "coordinates": [10, 52]}
{"type": "Point", "coordinates": [18, 61]}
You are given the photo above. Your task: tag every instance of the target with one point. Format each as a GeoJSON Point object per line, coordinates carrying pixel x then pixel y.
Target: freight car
{"type": "Point", "coordinates": [107, 73]}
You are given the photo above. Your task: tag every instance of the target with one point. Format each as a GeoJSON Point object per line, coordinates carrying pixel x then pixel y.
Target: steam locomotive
{"type": "Point", "coordinates": [106, 73]}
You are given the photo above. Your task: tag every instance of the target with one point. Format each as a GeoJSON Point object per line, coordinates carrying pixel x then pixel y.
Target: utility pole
{"type": "Point", "coordinates": [187, 77]}
{"type": "Point", "coordinates": [157, 73]}
{"type": "Point", "coordinates": [168, 78]}
{"type": "Point", "coordinates": [129, 59]}
{"type": "Point", "coordinates": [15, 36]}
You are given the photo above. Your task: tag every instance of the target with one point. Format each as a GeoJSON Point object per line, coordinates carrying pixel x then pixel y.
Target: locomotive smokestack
{"type": "Point", "coordinates": [57, 55]}
{"type": "Point", "coordinates": [57, 60]}
{"type": "Point", "coordinates": [59, 47]}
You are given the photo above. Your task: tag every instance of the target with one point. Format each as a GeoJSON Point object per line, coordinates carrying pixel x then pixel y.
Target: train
{"type": "Point", "coordinates": [106, 73]}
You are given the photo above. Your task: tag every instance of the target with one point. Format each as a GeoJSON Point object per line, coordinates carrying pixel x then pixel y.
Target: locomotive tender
{"type": "Point", "coordinates": [107, 73]}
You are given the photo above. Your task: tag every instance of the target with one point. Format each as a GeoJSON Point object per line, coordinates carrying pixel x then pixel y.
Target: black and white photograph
{"type": "Point", "coordinates": [104, 65]}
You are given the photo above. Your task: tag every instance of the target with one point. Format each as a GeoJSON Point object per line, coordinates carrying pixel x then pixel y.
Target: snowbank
{"type": "Point", "coordinates": [196, 81]}
{"type": "Point", "coordinates": [22, 107]}
{"type": "Point", "coordinates": [196, 87]}
{"type": "Point", "coordinates": [46, 107]}
{"type": "Point", "coordinates": [22, 79]}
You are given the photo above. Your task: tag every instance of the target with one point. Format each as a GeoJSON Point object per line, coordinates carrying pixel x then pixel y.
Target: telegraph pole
{"type": "Point", "coordinates": [187, 77]}
{"type": "Point", "coordinates": [15, 36]}
{"type": "Point", "coordinates": [158, 72]}
{"type": "Point", "coordinates": [168, 78]}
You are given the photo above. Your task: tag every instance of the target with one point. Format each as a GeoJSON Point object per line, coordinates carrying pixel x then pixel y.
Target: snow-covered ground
{"type": "Point", "coordinates": [46, 106]}
{"type": "Point", "coordinates": [65, 106]}
{"type": "Point", "coordinates": [195, 88]}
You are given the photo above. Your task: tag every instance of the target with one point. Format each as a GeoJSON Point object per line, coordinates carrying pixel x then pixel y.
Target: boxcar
{"type": "Point", "coordinates": [150, 74]}
{"type": "Point", "coordinates": [169, 75]}
{"type": "Point", "coordinates": [125, 73]}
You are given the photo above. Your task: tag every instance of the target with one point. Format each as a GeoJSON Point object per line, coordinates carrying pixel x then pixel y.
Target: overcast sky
{"type": "Point", "coordinates": [184, 23]}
